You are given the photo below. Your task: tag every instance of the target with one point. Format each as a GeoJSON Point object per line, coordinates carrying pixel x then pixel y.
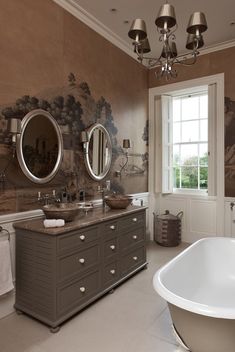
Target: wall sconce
{"type": "Point", "coordinates": [126, 144]}
{"type": "Point", "coordinates": [84, 140]}
{"type": "Point", "coordinates": [15, 128]}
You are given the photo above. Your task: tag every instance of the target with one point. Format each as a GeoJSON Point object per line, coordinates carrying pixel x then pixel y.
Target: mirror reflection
{"type": "Point", "coordinates": [40, 146]}
{"type": "Point", "coordinates": [98, 152]}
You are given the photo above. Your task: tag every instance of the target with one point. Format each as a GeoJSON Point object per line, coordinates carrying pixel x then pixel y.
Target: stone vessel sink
{"type": "Point", "coordinates": [118, 201]}
{"type": "Point", "coordinates": [66, 211]}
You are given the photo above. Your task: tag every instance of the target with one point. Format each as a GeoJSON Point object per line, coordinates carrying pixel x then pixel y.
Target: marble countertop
{"type": "Point", "coordinates": [82, 220]}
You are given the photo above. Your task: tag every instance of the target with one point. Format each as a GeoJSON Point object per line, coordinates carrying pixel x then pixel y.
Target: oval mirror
{"type": "Point", "coordinates": [98, 152]}
{"type": "Point", "coordinates": [39, 146]}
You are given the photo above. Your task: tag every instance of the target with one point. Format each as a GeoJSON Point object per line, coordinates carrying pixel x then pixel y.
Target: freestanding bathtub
{"type": "Point", "coordinates": [199, 286]}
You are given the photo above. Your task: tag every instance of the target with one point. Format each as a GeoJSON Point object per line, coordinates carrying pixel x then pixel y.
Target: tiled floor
{"type": "Point", "coordinates": [132, 319]}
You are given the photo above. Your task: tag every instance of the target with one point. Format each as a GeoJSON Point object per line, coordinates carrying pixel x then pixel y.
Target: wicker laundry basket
{"type": "Point", "coordinates": [167, 229]}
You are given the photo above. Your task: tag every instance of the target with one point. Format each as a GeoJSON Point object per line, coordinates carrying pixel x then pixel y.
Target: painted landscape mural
{"type": "Point", "coordinates": [74, 109]}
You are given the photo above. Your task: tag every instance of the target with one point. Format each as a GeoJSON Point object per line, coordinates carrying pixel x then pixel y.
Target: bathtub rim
{"type": "Point", "coordinates": [181, 302]}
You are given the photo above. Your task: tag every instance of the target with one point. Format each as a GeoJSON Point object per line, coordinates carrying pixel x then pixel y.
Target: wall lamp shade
{"type": "Point", "coordinates": [166, 16]}
{"type": "Point", "coordinates": [84, 137]}
{"type": "Point", "coordinates": [126, 143]}
{"type": "Point", "coordinates": [138, 30]}
{"type": "Point", "coordinates": [192, 43]}
{"type": "Point", "coordinates": [197, 23]}
{"type": "Point", "coordinates": [15, 126]}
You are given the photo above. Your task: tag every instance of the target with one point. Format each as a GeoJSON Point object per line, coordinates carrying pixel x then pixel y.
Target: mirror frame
{"type": "Point", "coordinates": [86, 145]}
{"type": "Point", "coordinates": [19, 146]}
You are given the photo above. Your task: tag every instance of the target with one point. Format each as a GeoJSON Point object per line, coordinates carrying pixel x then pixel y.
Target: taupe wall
{"type": "Point", "coordinates": [217, 62]}
{"type": "Point", "coordinates": [40, 45]}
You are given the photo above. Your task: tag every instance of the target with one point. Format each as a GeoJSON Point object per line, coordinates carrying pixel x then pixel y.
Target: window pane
{"type": "Point", "coordinates": [204, 130]}
{"type": "Point", "coordinates": [176, 132]}
{"type": "Point", "coordinates": [204, 106]}
{"type": "Point", "coordinates": [189, 154]}
{"type": "Point", "coordinates": [203, 178]}
{"type": "Point", "coordinates": [176, 155]}
{"type": "Point", "coordinates": [190, 108]}
{"type": "Point", "coordinates": [190, 131]}
{"type": "Point", "coordinates": [203, 154]}
{"type": "Point", "coordinates": [189, 177]}
{"type": "Point", "coordinates": [176, 177]}
{"type": "Point", "coordinates": [176, 110]}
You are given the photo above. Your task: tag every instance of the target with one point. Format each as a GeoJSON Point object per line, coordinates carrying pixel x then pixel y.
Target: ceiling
{"type": "Point", "coordinates": [219, 15]}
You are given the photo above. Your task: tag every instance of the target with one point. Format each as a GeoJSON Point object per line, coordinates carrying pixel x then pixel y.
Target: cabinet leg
{"type": "Point", "coordinates": [146, 267]}
{"type": "Point", "coordinates": [55, 329]}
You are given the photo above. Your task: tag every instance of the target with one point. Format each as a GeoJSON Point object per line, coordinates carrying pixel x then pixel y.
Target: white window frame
{"type": "Point", "coordinates": [193, 91]}
{"type": "Point", "coordinates": [155, 150]}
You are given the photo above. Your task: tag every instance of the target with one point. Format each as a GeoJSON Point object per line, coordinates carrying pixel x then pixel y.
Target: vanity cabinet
{"type": "Point", "coordinates": [60, 271]}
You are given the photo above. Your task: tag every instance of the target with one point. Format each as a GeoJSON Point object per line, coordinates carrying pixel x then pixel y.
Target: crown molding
{"type": "Point", "coordinates": [77, 11]}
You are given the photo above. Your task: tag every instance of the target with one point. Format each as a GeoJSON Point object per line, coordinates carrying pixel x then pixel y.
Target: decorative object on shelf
{"type": "Point", "coordinates": [166, 26]}
{"type": "Point", "coordinates": [118, 201]}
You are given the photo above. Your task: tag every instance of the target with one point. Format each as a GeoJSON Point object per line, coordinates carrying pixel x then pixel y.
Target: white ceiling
{"type": "Point", "coordinates": [219, 15]}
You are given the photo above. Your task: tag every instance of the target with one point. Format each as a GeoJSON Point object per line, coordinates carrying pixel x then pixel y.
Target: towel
{"type": "Point", "coordinates": [53, 222]}
{"type": "Point", "coordinates": [6, 283]}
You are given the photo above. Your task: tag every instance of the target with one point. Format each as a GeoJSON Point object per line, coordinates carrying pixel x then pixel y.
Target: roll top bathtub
{"type": "Point", "coordinates": [199, 286]}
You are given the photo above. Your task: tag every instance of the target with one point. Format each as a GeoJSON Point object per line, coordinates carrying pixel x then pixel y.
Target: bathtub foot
{"type": "Point", "coordinates": [178, 338]}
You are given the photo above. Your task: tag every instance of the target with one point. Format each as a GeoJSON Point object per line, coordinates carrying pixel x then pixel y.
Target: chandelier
{"type": "Point", "coordinates": [166, 27]}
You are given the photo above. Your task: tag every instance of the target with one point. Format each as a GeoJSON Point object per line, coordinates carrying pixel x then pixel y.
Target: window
{"type": "Point", "coordinates": [190, 141]}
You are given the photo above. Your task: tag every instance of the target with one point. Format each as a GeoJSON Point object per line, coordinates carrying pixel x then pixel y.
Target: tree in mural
{"type": "Point", "coordinates": [71, 79]}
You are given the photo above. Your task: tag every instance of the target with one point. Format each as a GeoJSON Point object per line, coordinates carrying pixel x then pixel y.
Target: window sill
{"type": "Point", "coordinates": [195, 195]}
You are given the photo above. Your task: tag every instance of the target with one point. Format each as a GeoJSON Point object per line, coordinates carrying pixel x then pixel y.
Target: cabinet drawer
{"type": "Point", "coordinates": [78, 262]}
{"type": "Point", "coordinates": [111, 273]}
{"type": "Point", "coordinates": [110, 248]}
{"type": "Point", "coordinates": [78, 239]}
{"type": "Point", "coordinates": [133, 259]}
{"type": "Point", "coordinates": [132, 221]}
{"type": "Point", "coordinates": [131, 238]}
{"type": "Point", "coordinates": [110, 228]}
{"type": "Point", "coordinates": [77, 292]}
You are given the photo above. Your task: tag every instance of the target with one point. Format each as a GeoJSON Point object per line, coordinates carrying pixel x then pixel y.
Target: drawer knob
{"type": "Point", "coordinates": [82, 260]}
{"type": "Point", "coordinates": [112, 247]}
{"type": "Point", "coordinates": [82, 289]}
{"type": "Point", "coordinates": [134, 219]}
{"type": "Point", "coordinates": [112, 227]}
{"type": "Point", "coordinates": [82, 237]}
{"type": "Point", "coordinates": [134, 237]}
{"type": "Point", "coordinates": [112, 272]}
{"type": "Point", "coordinates": [135, 258]}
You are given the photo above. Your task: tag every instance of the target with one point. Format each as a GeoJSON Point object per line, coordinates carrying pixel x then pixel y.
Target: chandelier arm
{"type": "Point", "coordinates": [182, 62]}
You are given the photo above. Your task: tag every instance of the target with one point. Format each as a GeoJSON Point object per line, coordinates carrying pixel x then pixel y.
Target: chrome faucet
{"type": "Point", "coordinates": [103, 190]}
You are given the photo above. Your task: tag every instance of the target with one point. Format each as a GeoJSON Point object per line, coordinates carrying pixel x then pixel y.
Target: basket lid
{"type": "Point", "coordinates": [168, 216]}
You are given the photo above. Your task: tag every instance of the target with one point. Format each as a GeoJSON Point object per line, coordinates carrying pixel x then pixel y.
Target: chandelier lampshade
{"type": "Point", "coordinates": [193, 43]}
{"type": "Point", "coordinates": [197, 22]}
{"type": "Point", "coordinates": [166, 16]}
{"type": "Point", "coordinates": [138, 30]}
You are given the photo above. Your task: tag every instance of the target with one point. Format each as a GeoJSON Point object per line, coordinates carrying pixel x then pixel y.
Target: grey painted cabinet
{"type": "Point", "coordinates": [59, 272]}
